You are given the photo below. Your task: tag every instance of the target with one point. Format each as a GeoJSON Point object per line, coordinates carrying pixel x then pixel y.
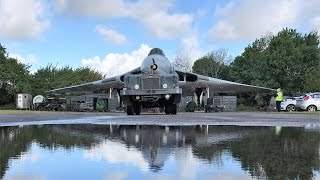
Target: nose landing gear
{"type": "Point", "coordinates": [170, 109]}
{"type": "Point", "coordinates": [135, 108]}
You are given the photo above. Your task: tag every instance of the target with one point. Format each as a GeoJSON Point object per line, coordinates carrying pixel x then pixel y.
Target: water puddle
{"type": "Point", "coordinates": [88, 151]}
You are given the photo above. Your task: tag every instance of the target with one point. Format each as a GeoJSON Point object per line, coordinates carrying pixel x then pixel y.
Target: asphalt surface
{"type": "Point", "coordinates": [181, 119]}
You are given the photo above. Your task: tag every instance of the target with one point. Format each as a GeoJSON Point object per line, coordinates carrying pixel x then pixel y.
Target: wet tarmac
{"type": "Point", "coordinates": [181, 119]}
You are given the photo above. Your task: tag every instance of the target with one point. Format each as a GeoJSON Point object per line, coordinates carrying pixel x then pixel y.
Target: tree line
{"type": "Point", "coordinates": [289, 60]}
{"type": "Point", "coordinates": [15, 77]}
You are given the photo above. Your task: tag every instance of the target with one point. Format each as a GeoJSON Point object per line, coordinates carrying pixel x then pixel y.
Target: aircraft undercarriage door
{"type": "Point", "coordinates": [133, 106]}
{"type": "Point", "coordinates": [198, 95]}
{"type": "Point", "coordinates": [119, 99]}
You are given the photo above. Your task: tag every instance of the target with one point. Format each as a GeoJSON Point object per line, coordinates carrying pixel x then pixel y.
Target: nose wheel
{"type": "Point", "coordinates": [135, 108]}
{"type": "Point", "coordinates": [170, 109]}
{"type": "Point", "coordinates": [129, 110]}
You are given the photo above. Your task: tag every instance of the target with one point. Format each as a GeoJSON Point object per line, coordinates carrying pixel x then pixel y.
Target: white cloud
{"type": "Point", "coordinates": [28, 59]}
{"type": "Point", "coordinates": [93, 8]}
{"type": "Point", "coordinates": [115, 63]}
{"type": "Point", "coordinates": [229, 176]}
{"type": "Point", "coordinates": [110, 35]}
{"type": "Point", "coordinates": [117, 175]}
{"type": "Point", "coordinates": [161, 24]}
{"type": "Point", "coordinates": [154, 15]}
{"type": "Point", "coordinates": [250, 18]}
{"type": "Point", "coordinates": [190, 47]}
{"type": "Point", "coordinates": [115, 152]}
{"type": "Point", "coordinates": [188, 165]}
{"type": "Point", "coordinates": [24, 176]}
{"type": "Point", "coordinates": [224, 10]}
{"type": "Point", "coordinates": [22, 19]}
{"type": "Point", "coordinates": [164, 26]}
{"type": "Point", "coordinates": [315, 23]}
{"type": "Point", "coordinates": [31, 156]}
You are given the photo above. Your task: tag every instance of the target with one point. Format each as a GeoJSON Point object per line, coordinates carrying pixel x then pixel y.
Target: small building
{"type": "Point", "coordinates": [24, 101]}
{"type": "Point", "coordinates": [229, 103]}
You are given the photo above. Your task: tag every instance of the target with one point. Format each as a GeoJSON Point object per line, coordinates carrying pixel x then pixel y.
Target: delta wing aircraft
{"type": "Point", "coordinates": [156, 83]}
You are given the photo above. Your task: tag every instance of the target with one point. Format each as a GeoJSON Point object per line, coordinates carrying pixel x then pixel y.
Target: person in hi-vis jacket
{"type": "Point", "coordinates": [279, 99]}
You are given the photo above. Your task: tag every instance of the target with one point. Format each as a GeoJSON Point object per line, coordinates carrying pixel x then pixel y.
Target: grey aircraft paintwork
{"type": "Point", "coordinates": [156, 83]}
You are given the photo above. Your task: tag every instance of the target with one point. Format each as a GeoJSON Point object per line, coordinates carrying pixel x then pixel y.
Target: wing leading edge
{"type": "Point", "coordinates": [96, 86]}
{"type": "Point", "coordinates": [191, 81]}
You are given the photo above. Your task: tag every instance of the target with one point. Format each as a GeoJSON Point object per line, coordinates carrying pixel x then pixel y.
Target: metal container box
{"type": "Point", "coordinates": [24, 101]}
{"type": "Point", "coordinates": [225, 103]}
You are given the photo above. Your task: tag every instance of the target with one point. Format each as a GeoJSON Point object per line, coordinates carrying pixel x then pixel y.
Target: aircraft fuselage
{"type": "Point", "coordinates": [157, 85]}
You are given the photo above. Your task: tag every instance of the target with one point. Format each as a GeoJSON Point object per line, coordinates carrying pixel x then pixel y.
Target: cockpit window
{"type": "Point", "coordinates": [156, 51]}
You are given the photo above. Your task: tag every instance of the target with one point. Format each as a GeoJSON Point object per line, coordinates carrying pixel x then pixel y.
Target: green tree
{"type": "Point", "coordinates": [85, 74]}
{"type": "Point", "coordinates": [311, 54]}
{"type": "Point", "coordinates": [14, 77]}
{"type": "Point", "coordinates": [311, 80]}
{"type": "Point", "coordinates": [213, 64]}
{"type": "Point", "coordinates": [291, 56]}
{"type": "Point", "coordinates": [250, 66]}
{"type": "Point", "coordinates": [51, 77]}
{"type": "Point", "coordinates": [284, 60]}
{"type": "Point", "coordinates": [183, 62]}
{"type": "Point", "coordinates": [44, 79]}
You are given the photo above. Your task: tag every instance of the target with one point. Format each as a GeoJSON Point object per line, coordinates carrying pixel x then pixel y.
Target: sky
{"type": "Point", "coordinates": [114, 36]}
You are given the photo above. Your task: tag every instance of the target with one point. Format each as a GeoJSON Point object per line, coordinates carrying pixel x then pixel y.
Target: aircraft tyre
{"type": "Point", "coordinates": [170, 109]}
{"type": "Point", "coordinates": [129, 110]}
{"type": "Point", "coordinates": [166, 109]}
{"type": "Point", "coordinates": [173, 109]}
{"type": "Point", "coordinates": [137, 109]}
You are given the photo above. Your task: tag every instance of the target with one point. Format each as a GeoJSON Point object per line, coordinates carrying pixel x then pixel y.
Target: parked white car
{"type": "Point", "coordinates": [310, 102]}
{"type": "Point", "coordinates": [289, 104]}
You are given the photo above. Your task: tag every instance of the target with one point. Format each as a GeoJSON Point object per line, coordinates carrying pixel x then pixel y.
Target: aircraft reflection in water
{"type": "Point", "coordinates": [261, 152]}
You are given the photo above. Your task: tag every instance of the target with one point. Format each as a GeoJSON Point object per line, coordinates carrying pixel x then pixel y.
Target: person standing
{"type": "Point", "coordinates": [279, 99]}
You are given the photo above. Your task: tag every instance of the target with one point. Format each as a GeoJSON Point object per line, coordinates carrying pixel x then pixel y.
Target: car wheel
{"type": "Point", "coordinates": [291, 108]}
{"type": "Point", "coordinates": [311, 108]}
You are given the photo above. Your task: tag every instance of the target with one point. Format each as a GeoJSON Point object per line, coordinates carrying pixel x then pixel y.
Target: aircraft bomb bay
{"type": "Point", "coordinates": [181, 119]}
